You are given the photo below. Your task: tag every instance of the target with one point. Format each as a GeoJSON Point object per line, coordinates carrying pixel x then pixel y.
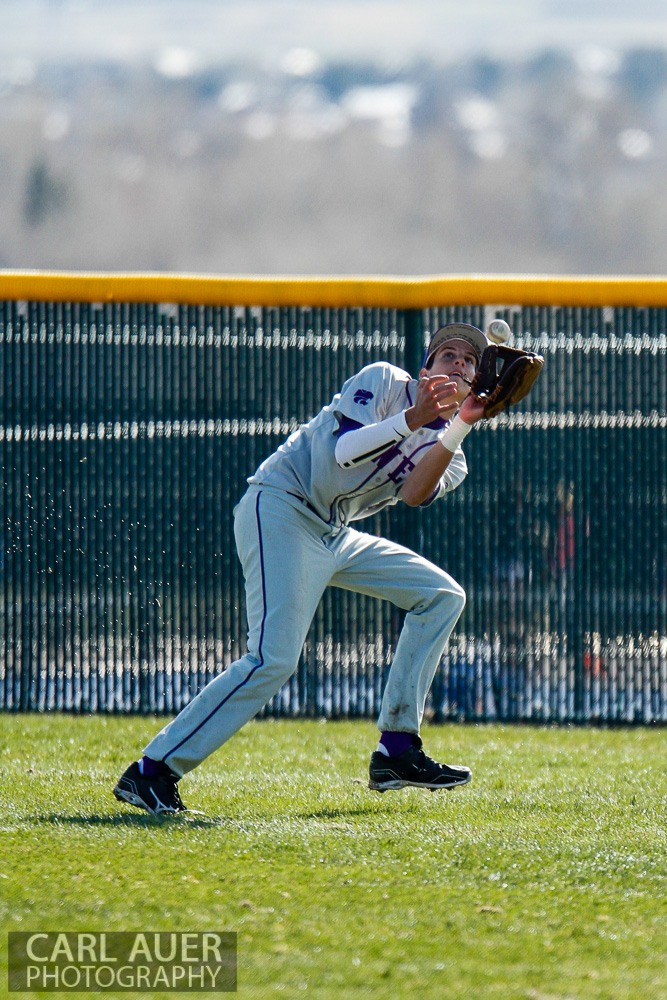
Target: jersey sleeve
{"type": "Point", "coordinates": [376, 392]}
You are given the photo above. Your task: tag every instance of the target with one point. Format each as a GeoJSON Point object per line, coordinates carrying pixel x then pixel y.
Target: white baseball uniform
{"type": "Point", "coordinates": [294, 539]}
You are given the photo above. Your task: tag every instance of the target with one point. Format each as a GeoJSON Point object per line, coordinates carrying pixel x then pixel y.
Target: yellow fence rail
{"type": "Point", "coordinates": [364, 291]}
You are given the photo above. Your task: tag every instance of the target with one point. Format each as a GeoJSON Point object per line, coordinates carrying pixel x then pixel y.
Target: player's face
{"type": "Point", "coordinates": [456, 359]}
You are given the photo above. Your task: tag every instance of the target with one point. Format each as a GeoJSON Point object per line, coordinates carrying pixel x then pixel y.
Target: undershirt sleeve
{"type": "Point", "coordinates": [363, 443]}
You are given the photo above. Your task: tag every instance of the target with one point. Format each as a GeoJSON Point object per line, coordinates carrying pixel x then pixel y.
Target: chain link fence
{"type": "Point", "coordinates": [127, 431]}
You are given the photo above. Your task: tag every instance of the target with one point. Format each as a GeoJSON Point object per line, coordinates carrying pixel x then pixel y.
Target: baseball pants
{"type": "Point", "coordinates": [289, 557]}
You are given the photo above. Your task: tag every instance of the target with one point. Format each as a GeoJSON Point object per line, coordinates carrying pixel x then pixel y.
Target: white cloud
{"type": "Point", "coordinates": [238, 96]}
{"type": "Point", "coordinates": [634, 143]}
{"type": "Point", "coordinates": [300, 62]}
{"type": "Point", "coordinates": [56, 125]}
{"type": "Point", "coordinates": [596, 60]}
{"type": "Point", "coordinates": [489, 145]}
{"type": "Point", "coordinates": [177, 63]}
{"type": "Point", "coordinates": [388, 102]}
{"type": "Point", "coordinates": [475, 113]}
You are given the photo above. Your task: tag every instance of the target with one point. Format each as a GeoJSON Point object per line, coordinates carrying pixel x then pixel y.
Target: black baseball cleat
{"type": "Point", "coordinates": [157, 794]}
{"type": "Point", "coordinates": [414, 768]}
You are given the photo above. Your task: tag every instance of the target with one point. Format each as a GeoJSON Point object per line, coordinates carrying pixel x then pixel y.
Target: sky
{"type": "Point", "coordinates": [385, 30]}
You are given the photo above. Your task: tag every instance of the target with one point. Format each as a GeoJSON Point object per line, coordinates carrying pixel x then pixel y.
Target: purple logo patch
{"type": "Point", "coordinates": [363, 396]}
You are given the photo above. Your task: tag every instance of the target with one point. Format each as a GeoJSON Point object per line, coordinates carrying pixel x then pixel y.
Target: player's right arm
{"type": "Point", "coordinates": [422, 482]}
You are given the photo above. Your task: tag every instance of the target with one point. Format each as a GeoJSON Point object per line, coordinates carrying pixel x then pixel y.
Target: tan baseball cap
{"type": "Point", "coordinates": [457, 331]}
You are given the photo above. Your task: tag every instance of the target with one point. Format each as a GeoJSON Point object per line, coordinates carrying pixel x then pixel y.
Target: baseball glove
{"type": "Point", "coordinates": [500, 389]}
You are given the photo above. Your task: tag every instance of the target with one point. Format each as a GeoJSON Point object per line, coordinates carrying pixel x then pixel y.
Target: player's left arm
{"type": "Point", "coordinates": [424, 480]}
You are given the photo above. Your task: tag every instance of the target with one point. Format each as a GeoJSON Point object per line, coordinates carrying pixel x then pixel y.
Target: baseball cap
{"type": "Point", "coordinates": [457, 331]}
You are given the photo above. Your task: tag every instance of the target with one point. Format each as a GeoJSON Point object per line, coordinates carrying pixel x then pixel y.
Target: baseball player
{"type": "Point", "coordinates": [386, 437]}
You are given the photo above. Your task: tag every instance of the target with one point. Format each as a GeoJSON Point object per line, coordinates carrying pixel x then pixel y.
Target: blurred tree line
{"type": "Point", "coordinates": [552, 164]}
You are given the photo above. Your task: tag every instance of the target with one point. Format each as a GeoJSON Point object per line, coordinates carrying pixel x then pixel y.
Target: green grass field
{"type": "Point", "coordinates": [545, 878]}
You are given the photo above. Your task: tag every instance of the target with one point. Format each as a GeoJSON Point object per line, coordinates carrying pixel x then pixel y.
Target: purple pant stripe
{"type": "Point", "coordinates": [259, 650]}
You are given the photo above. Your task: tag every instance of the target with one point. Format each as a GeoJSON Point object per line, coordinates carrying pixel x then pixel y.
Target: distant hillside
{"type": "Point", "coordinates": [552, 161]}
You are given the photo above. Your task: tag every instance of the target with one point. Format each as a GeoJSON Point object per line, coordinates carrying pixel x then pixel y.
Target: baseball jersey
{"type": "Point", "coordinates": [305, 465]}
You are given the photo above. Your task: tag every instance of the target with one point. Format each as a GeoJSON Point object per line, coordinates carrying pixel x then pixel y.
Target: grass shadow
{"type": "Point", "coordinates": [339, 812]}
{"type": "Point", "coordinates": [138, 820]}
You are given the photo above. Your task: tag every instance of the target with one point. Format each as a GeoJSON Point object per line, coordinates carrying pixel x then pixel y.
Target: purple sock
{"type": "Point", "coordinates": [396, 743]}
{"type": "Point", "coordinates": [150, 767]}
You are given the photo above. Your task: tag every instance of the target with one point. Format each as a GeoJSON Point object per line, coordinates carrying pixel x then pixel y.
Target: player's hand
{"type": "Point", "coordinates": [437, 396]}
{"type": "Point", "coordinates": [472, 410]}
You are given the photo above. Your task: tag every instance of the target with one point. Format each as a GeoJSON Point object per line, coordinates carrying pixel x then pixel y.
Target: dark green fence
{"type": "Point", "coordinates": [126, 434]}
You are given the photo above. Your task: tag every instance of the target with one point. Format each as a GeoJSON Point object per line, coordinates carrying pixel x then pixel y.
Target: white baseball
{"type": "Point", "coordinates": [498, 331]}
